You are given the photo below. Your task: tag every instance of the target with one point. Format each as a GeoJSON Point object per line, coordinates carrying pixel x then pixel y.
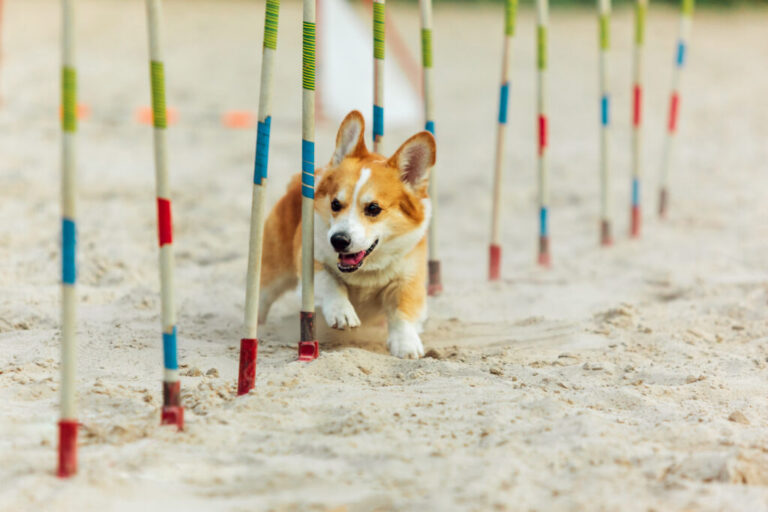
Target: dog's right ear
{"type": "Point", "coordinates": [350, 141]}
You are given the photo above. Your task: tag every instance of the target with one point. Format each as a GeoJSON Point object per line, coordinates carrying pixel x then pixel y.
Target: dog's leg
{"type": "Point", "coordinates": [333, 297]}
{"type": "Point", "coordinates": [405, 317]}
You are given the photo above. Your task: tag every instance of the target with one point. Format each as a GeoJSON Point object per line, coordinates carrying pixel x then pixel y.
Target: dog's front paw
{"type": "Point", "coordinates": [404, 342]}
{"type": "Point", "coordinates": [340, 314]}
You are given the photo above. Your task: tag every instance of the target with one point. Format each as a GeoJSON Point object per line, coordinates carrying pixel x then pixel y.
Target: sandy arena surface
{"type": "Point", "coordinates": [632, 378]}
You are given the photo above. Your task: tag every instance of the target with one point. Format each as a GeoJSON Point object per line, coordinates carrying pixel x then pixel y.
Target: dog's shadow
{"type": "Point", "coordinates": [370, 336]}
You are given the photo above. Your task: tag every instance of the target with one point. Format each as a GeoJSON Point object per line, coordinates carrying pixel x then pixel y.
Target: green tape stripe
{"type": "Point", "coordinates": [69, 99]}
{"type": "Point", "coordinates": [510, 13]}
{"type": "Point", "coordinates": [158, 94]}
{"type": "Point", "coordinates": [426, 47]}
{"type": "Point", "coordinates": [605, 34]}
{"type": "Point", "coordinates": [640, 11]}
{"type": "Point", "coordinates": [687, 7]}
{"type": "Point", "coordinates": [270, 24]}
{"type": "Point", "coordinates": [308, 57]}
{"type": "Point", "coordinates": [541, 46]}
{"type": "Point", "coordinates": [379, 30]}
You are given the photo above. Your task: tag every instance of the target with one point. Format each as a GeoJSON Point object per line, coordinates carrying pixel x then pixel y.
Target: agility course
{"type": "Point", "coordinates": [640, 361]}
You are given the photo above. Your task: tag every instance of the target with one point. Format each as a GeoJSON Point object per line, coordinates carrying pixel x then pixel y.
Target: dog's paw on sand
{"type": "Point", "coordinates": [340, 314]}
{"type": "Point", "coordinates": [404, 342]}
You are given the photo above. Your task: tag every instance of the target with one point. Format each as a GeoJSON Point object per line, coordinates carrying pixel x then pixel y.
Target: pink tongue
{"type": "Point", "coordinates": [352, 259]}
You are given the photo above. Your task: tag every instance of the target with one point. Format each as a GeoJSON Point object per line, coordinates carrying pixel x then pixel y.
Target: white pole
{"type": "Point", "coordinates": [308, 346]}
{"type": "Point", "coordinates": [249, 344]}
{"type": "Point", "coordinates": [604, 20]}
{"type": "Point", "coordinates": [641, 8]}
{"type": "Point", "coordinates": [435, 285]}
{"type": "Point", "coordinates": [494, 267]}
{"type": "Point", "coordinates": [172, 412]}
{"type": "Point", "coordinates": [68, 413]}
{"type": "Point", "coordinates": [542, 17]}
{"type": "Point", "coordinates": [379, 32]}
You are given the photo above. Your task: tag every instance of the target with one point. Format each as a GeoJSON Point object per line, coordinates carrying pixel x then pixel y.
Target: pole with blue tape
{"type": "Point", "coordinates": [435, 280]}
{"type": "Point", "coordinates": [686, 14]}
{"type": "Point", "coordinates": [542, 21]}
{"type": "Point", "coordinates": [250, 343]}
{"type": "Point", "coordinates": [379, 32]}
{"type": "Point", "coordinates": [494, 267]}
{"type": "Point", "coordinates": [641, 9]}
{"type": "Point", "coordinates": [67, 449]}
{"type": "Point", "coordinates": [308, 346]}
{"type": "Point", "coordinates": [604, 23]}
{"type": "Point", "coordinates": [172, 411]}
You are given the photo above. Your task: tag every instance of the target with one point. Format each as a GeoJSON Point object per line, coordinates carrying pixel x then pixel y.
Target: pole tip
{"type": "Point", "coordinates": [544, 257]}
{"type": "Point", "coordinates": [67, 448]}
{"type": "Point", "coordinates": [435, 286]}
{"type": "Point", "coordinates": [636, 222]}
{"type": "Point", "coordinates": [246, 380]}
{"type": "Point", "coordinates": [172, 415]}
{"type": "Point", "coordinates": [606, 240]}
{"type": "Point", "coordinates": [308, 350]}
{"type": "Point", "coordinates": [494, 266]}
{"type": "Point", "coordinates": [663, 199]}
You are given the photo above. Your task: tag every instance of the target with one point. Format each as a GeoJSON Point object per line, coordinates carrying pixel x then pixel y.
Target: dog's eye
{"type": "Point", "coordinates": [372, 209]}
{"type": "Point", "coordinates": [335, 205]}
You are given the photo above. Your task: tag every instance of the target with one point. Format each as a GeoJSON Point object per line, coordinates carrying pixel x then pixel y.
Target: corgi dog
{"type": "Point", "coordinates": [371, 218]}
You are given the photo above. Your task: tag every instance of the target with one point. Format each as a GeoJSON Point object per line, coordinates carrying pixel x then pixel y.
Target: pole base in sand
{"type": "Point", "coordinates": [67, 448]}
{"type": "Point", "coordinates": [635, 222]}
{"type": "Point", "coordinates": [172, 412]}
{"type": "Point", "coordinates": [308, 346]}
{"type": "Point", "coordinates": [544, 258]}
{"type": "Point", "coordinates": [494, 266]}
{"type": "Point", "coordinates": [606, 239]}
{"type": "Point", "coordinates": [663, 203]}
{"type": "Point", "coordinates": [246, 379]}
{"type": "Point", "coordinates": [308, 350]}
{"type": "Point", "coordinates": [435, 286]}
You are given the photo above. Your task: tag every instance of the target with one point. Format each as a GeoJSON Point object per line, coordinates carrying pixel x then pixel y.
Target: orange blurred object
{"type": "Point", "coordinates": [239, 119]}
{"type": "Point", "coordinates": [144, 115]}
{"type": "Point", "coordinates": [83, 111]}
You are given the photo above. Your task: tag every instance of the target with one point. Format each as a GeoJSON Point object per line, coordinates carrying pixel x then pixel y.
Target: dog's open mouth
{"type": "Point", "coordinates": [352, 261]}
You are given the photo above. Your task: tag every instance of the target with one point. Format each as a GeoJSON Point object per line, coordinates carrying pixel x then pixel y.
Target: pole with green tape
{"type": "Point", "coordinates": [250, 343]}
{"type": "Point", "coordinates": [641, 9]}
{"type": "Point", "coordinates": [604, 21]}
{"type": "Point", "coordinates": [494, 267]}
{"type": "Point", "coordinates": [379, 33]}
{"type": "Point", "coordinates": [542, 21]}
{"type": "Point", "coordinates": [172, 411]}
{"type": "Point", "coordinates": [68, 424]}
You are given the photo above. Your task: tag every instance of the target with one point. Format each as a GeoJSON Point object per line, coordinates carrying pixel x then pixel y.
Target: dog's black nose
{"type": "Point", "coordinates": [340, 241]}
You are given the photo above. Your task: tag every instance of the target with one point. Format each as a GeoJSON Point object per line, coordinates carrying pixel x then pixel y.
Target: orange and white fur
{"type": "Point", "coordinates": [371, 218]}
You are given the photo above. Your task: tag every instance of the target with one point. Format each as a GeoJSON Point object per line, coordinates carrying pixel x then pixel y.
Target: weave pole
{"type": "Point", "coordinates": [494, 266]}
{"type": "Point", "coordinates": [68, 408]}
{"type": "Point", "coordinates": [636, 215]}
{"type": "Point", "coordinates": [686, 12]}
{"type": "Point", "coordinates": [308, 347]}
{"type": "Point", "coordinates": [542, 20]}
{"type": "Point", "coordinates": [604, 23]}
{"type": "Point", "coordinates": [379, 33]}
{"type": "Point", "coordinates": [435, 283]}
{"type": "Point", "coordinates": [172, 411]}
{"type": "Point", "coordinates": [250, 344]}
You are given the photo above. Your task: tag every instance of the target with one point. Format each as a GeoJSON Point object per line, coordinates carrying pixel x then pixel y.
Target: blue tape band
{"type": "Point", "coordinates": [604, 114]}
{"type": "Point", "coordinates": [262, 150]}
{"type": "Point", "coordinates": [378, 121]}
{"type": "Point", "coordinates": [680, 54]}
{"type": "Point", "coordinates": [308, 169]}
{"type": "Point", "coordinates": [503, 102]}
{"type": "Point", "coordinates": [543, 228]}
{"type": "Point", "coordinates": [169, 350]}
{"type": "Point", "coordinates": [635, 192]}
{"type": "Point", "coordinates": [430, 127]}
{"type": "Point", "coordinates": [68, 243]}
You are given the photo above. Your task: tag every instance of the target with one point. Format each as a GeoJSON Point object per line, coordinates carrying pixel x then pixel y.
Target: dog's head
{"type": "Point", "coordinates": [371, 210]}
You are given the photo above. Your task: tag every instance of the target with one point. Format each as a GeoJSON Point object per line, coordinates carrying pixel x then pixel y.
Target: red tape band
{"type": "Point", "coordinates": [164, 228]}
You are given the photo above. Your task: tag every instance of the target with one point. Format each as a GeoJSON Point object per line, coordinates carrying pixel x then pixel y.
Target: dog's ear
{"type": "Point", "coordinates": [414, 158]}
{"type": "Point", "coordinates": [350, 139]}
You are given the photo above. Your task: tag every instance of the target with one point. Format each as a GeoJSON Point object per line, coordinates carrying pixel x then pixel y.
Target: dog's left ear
{"type": "Point", "coordinates": [414, 158]}
{"type": "Point", "coordinates": [350, 139]}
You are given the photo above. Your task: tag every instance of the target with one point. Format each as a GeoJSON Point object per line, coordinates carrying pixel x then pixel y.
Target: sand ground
{"type": "Point", "coordinates": [632, 378]}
